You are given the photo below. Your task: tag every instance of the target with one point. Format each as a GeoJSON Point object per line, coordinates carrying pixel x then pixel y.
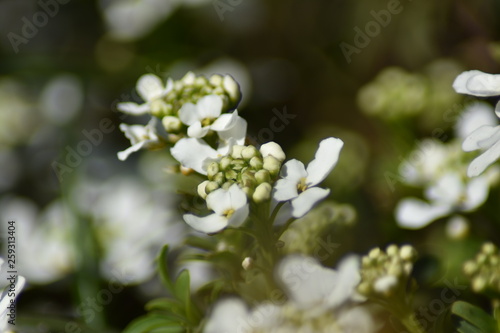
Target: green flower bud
{"type": "Point", "coordinates": [248, 191]}
{"type": "Point", "coordinates": [231, 174]}
{"type": "Point", "coordinates": [238, 164]}
{"type": "Point", "coordinates": [227, 185]}
{"type": "Point", "coordinates": [212, 170]}
{"type": "Point", "coordinates": [256, 163]}
{"type": "Point", "coordinates": [211, 186]}
{"type": "Point", "coordinates": [407, 252]}
{"type": "Point", "coordinates": [248, 152]}
{"type": "Point", "coordinates": [272, 165]}
{"type": "Point", "coordinates": [263, 176]}
{"type": "Point", "coordinates": [188, 79]}
{"type": "Point", "coordinates": [159, 108]}
{"type": "Point", "coordinates": [200, 81]}
{"type": "Point", "coordinates": [225, 162]}
{"type": "Point", "coordinates": [236, 151]}
{"type": "Point", "coordinates": [219, 178]}
{"type": "Point", "coordinates": [216, 80]}
{"type": "Point", "coordinates": [262, 193]}
{"type": "Point", "coordinates": [171, 124]}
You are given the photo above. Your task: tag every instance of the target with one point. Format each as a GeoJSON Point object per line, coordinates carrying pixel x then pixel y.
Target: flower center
{"type": "Point", "coordinates": [207, 122]}
{"type": "Point", "coordinates": [228, 213]}
{"type": "Point", "coordinates": [302, 186]}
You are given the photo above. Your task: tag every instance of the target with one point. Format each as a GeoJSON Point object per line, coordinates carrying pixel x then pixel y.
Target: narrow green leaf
{"type": "Point", "coordinates": [163, 270]}
{"type": "Point", "coordinates": [475, 316]}
{"type": "Point", "coordinates": [148, 323]}
{"type": "Point", "coordinates": [465, 327]}
{"type": "Point", "coordinates": [182, 287]}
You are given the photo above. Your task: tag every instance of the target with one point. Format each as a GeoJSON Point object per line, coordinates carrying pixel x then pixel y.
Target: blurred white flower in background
{"type": "Point", "coordinates": [320, 300]}
{"type": "Point", "coordinates": [18, 116]}
{"type": "Point", "coordinates": [44, 240]}
{"type": "Point", "coordinates": [132, 221]}
{"type": "Point", "coordinates": [61, 99]}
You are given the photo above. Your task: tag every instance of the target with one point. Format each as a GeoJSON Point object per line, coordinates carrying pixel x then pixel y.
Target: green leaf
{"type": "Point", "coordinates": [163, 270]}
{"type": "Point", "coordinates": [465, 327]}
{"type": "Point", "coordinates": [168, 305]}
{"type": "Point", "coordinates": [478, 319]}
{"type": "Point", "coordinates": [150, 323]}
{"type": "Point", "coordinates": [182, 290]}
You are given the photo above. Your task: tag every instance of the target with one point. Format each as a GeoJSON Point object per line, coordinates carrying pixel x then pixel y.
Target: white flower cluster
{"type": "Point", "coordinates": [319, 300]}
{"type": "Point", "coordinates": [441, 169]}
{"type": "Point", "coordinates": [208, 136]}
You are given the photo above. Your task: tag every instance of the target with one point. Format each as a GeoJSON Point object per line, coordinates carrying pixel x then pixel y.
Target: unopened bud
{"type": "Point", "coordinates": [159, 108]}
{"type": "Point", "coordinates": [272, 165]}
{"type": "Point", "coordinates": [219, 178]}
{"type": "Point", "coordinates": [256, 163]}
{"type": "Point", "coordinates": [236, 151]}
{"type": "Point", "coordinates": [171, 124]}
{"type": "Point", "coordinates": [215, 80]}
{"type": "Point", "coordinates": [232, 88]}
{"type": "Point", "coordinates": [189, 78]}
{"type": "Point", "coordinates": [262, 176]}
{"type": "Point", "coordinates": [248, 152]}
{"type": "Point", "coordinates": [231, 174]}
{"type": "Point", "coordinates": [211, 186]}
{"type": "Point", "coordinates": [407, 252]}
{"type": "Point", "coordinates": [202, 189]}
{"type": "Point", "coordinates": [225, 162]}
{"type": "Point", "coordinates": [262, 193]}
{"type": "Point", "coordinates": [247, 263]}
{"type": "Point", "coordinates": [273, 149]}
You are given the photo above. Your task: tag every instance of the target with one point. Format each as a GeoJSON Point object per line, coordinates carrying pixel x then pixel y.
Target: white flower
{"type": "Point", "coordinates": [486, 138]}
{"type": "Point", "coordinates": [140, 136]}
{"type": "Point", "coordinates": [7, 298]}
{"type": "Point", "coordinates": [194, 153]}
{"type": "Point", "coordinates": [206, 116]}
{"type": "Point", "coordinates": [477, 83]}
{"type": "Point", "coordinates": [449, 193]}
{"type": "Point", "coordinates": [151, 88]}
{"type": "Point", "coordinates": [474, 116]}
{"type": "Point", "coordinates": [230, 209]}
{"type": "Point", "coordinates": [298, 183]}
{"type": "Point", "coordinates": [320, 300]}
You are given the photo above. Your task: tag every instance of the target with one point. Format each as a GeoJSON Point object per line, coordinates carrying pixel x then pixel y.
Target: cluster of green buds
{"type": "Point", "coordinates": [191, 88]}
{"type": "Point", "coordinates": [386, 274]}
{"type": "Point", "coordinates": [484, 270]}
{"type": "Point", "coordinates": [253, 170]}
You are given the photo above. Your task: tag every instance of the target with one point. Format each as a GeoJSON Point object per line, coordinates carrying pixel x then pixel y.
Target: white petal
{"type": "Point", "coordinates": [285, 190]}
{"type": "Point", "coordinates": [219, 201]}
{"type": "Point", "coordinates": [188, 114]}
{"type": "Point", "coordinates": [346, 281]}
{"type": "Point", "coordinates": [237, 197]}
{"type": "Point", "coordinates": [226, 316]}
{"type": "Point", "coordinates": [196, 131]}
{"type": "Point", "coordinates": [473, 117]}
{"type": "Point", "coordinates": [224, 122]}
{"type": "Point", "coordinates": [324, 161]}
{"type": "Point", "coordinates": [477, 83]}
{"type": "Point", "coordinates": [239, 216]}
{"type": "Point", "coordinates": [476, 193]}
{"type": "Point", "coordinates": [192, 153]}
{"type": "Point", "coordinates": [209, 106]}
{"type": "Point", "coordinates": [124, 154]}
{"type": "Point", "coordinates": [413, 213]}
{"type": "Point", "coordinates": [237, 132]}
{"type": "Point", "coordinates": [482, 138]}
{"type": "Point", "coordinates": [208, 224]}
{"type": "Point", "coordinates": [133, 108]}
{"type": "Point", "coordinates": [272, 149]}
{"type": "Point", "coordinates": [306, 281]}
{"type": "Point", "coordinates": [149, 87]}
{"type": "Point", "coordinates": [447, 190]}
{"type": "Point", "coordinates": [307, 199]}
{"type": "Point", "coordinates": [480, 163]}
{"type": "Point", "coordinates": [135, 133]}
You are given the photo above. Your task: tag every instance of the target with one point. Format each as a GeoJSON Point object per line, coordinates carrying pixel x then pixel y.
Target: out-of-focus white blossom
{"type": "Point", "coordinates": [140, 137]}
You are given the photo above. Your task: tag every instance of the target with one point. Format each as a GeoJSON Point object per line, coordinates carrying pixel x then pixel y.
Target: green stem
{"type": "Point", "coordinates": [411, 323]}
{"type": "Point", "coordinates": [496, 312]}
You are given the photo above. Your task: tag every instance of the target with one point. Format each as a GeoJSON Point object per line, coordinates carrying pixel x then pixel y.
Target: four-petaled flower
{"type": "Point", "coordinates": [230, 209]}
{"type": "Point", "coordinates": [298, 183]}
{"type": "Point", "coordinates": [486, 137]}
{"type": "Point", "coordinates": [151, 89]}
{"type": "Point", "coordinates": [141, 137]}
